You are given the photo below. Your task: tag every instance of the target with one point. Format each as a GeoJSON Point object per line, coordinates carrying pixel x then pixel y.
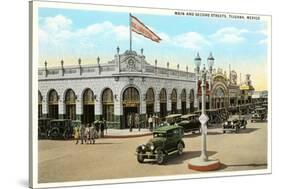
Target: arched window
{"type": "Point", "coordinates": [163, 103]}
{"type": "Point", "coordinates": [183, 101]}
{"type": "Point", "coordinates": [174, 101]}
{"type": "Point", "coordinates": [40, 99]}
{"type": "Point", "coordinates": [70, 104]}
{"type": "Point", "coordinates": [88, 106]}
{"type": "Point", "coordinates": [131, 94]}
{"type": "Point", "coordinates": [150, 99]}
{"type": "Point", "coordinates": [53, 107]}
{"type": "Point", "coordinates": [163, 96]}
{"type": "Point", "coordinates": [108, 105]}
{"type": "Point", "coordinates": [150, 96]}
{"type": "Point", "coordinates": [191, 100]}
{"type": "Point", "coordinates": [88, 97]}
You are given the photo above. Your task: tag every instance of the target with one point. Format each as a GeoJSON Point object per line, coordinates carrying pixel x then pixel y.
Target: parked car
{"type": "Point", "coordinates": [166, 140]}
{"type": "Point", "coordinates": [234, 123]}
{"type": "Point", "coordinates": [190, 123]}
{"type": "Point", "coordinates": [43, 127]}
{"type": "Point", "coordinates": [260, 114]}
{"type": "Point", "coordinates": [61, 129]}
{"type": "Point", "coordinates": [173, 118]}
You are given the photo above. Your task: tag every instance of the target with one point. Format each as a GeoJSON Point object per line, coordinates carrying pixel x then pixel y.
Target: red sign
{"type": "Point", "coordinates": [199, 92]}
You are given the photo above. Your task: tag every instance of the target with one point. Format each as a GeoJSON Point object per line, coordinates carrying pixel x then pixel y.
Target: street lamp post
{"type": "Point", "coordinates": [203, 163]}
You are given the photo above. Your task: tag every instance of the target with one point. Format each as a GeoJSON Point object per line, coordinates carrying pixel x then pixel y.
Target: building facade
{"type": "Point", "coordinates": [127, 85]}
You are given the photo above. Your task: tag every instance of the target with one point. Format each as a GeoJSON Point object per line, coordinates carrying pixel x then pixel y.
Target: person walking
{"type": "Point", "coordinates": [102, 129]}
{"type": "Point", "coordinates": [129, 122]}
{"type": "Point", "coordinates": [82, 133]}
{"type": "Point", "coordinates": [92, 134]}
{"type": "Point", "coordinates": [87, 133]}
{"type": "Point", "coordinates": [77, 134]}
{"type": "Point", "coordinates": [97, 125]}
{"type": "Point", "coordinates": [150, 123]}
{"type": "Point", "coordinates": [137, 121]}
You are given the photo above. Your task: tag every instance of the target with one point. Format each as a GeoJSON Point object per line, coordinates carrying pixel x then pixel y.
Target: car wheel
{"type": "Point", "coordinates": [180, 148]}
{"type": "Point", "coordinates": [223, 131]}
{"type": "Point", "coordinates": [237, 129]}
{"type": "Point", "coordinates": [54, 134]}
{"type": "Point", "coordinates": [140, 158]}
{"type": "Point", "coordinates": [160, 157]}
{"type": "Point", "coordinates": [251, 121]}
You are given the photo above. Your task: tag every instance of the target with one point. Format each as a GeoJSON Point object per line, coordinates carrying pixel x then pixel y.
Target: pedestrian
{"type": "Point", "coordinates": [97, 125]}
{"type": "Point", "coordinates": [82, 133]}
{"type": "Point", "coordinates": [87, 133]}
{"type": "Point", "coordinates": [92, 134]}
{"type": "Point", "coordinates": [105, 125]}
{"type": "Point", "coordinates": [102, 129]}
{"type": "Point", "coordinates": [137, 121]}
{"type": "Point", "coordinates": [150, 123]}
{"type": "Point", "coordinates": [77, 133]}
{"type": "Point", "coordinates": [129, 122]}
{"type": "Point", "coordinates": [153, 122]}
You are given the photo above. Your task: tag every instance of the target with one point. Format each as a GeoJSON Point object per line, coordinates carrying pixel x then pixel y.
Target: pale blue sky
{"type": "Point", "coordinates": [70, 34]}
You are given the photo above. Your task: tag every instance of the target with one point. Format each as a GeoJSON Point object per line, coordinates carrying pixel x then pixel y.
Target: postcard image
{"type": "Point", "coordinates": [128, 94]}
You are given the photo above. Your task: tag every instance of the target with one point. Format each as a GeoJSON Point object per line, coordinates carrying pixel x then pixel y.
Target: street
{"type": "Point", "coordinates": [114, 158]}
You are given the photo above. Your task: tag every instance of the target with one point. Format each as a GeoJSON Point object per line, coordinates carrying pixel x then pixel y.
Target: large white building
{"type": "Point", "coordinates": [126, 85]}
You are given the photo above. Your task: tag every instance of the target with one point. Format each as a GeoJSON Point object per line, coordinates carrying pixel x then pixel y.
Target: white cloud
{"type": "Point", "coordinates": [191, 40]}
{"type": "Point", "coordinates": [57, 23]}
{"type": "Point", "coordinates": [263, 42]}
{"type": "Point", "coordinates": [230, 35]}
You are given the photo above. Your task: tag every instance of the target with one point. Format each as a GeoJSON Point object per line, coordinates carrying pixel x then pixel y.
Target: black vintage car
{"type": "Point", "coordinates": [190, 123]}
{"type": "Point", "coordinates": [260, 114]}
{"type": "Point", "coordinates": [43, 127]}
{"type": "Point", "coordinates": [61, 129]}
{"type": "Point", "coordinates": [166, 140]}
{"type": "Point", "coordinates": [234, 123]}
{"type": "Point", "coordinates": [173, 118]}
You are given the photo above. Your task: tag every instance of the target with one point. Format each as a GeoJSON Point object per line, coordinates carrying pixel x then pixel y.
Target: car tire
{"type": "Point", "coordinates": [223, 131]}
{"type": "Point", "coordinates": [140, 158]}
{"type": "Point", "coordinates": [54, 134]}
{"type": "Point", "coordinates": [237, 129]}
{"type": "Point", "coordinates": [160, 157]}
{"type": "Point", "coordinates": [180, 148]}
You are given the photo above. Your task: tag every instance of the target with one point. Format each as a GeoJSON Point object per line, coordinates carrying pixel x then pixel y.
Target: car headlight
{"type": "Point", "coordinates": [151, 147]}
{"type": "Point", "coordinates": [142, 147]}
{"type": "Point", "coordinates": [231, 123]}
{"type": "Point", "coordinates": [225, 123]}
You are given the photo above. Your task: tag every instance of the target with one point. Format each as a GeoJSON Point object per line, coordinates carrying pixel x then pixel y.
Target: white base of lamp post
{"type": "Point", "coordinates": [198, 164]}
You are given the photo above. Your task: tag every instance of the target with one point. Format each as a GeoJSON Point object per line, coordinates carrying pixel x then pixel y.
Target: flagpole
{"type": "Point", "coordinates": [130, 20]}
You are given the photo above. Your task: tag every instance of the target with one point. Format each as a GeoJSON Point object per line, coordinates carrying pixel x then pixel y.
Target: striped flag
{"type": "Point", "coordinates": [138, 27]}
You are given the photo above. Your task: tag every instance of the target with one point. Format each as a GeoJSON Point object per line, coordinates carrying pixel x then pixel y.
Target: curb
{"type": "Point", "coordinates": [127, 136]}
{"type": "Point", "coordinates": [210, 167]}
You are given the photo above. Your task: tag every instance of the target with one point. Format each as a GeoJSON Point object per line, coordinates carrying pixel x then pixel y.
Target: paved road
{"type": "Point", "coordinates": [114, 158]}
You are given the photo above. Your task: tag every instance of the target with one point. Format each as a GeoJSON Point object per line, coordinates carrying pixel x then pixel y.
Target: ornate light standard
{"type": "Point", "coordinates": [203, 163]}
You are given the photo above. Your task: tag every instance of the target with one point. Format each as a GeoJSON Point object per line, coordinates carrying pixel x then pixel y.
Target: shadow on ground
{"type": "Point", "coordinates": [224, 166]}
{"type": "Point", "coordinates": [175, 159]}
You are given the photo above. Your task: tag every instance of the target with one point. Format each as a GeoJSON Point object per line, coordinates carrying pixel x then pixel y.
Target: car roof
{"type": "Point", "coordinates": [188, 115]}
{"type": "Point", "coordinates": [60, 120]}
{"type": "Point", "coordinates": [173, 115]}
{"type": "Point", "coordinates": [44, 118]}
{"type": "Point", "coordinates": [164, 129]}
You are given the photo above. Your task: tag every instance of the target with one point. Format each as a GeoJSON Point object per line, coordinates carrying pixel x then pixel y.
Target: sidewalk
{"type": "Point", "coordinates": [125, 133]}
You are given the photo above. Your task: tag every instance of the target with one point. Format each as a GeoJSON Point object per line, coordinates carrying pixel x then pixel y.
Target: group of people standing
{"type": "Point", "coordinates": [152, 121]}
{"type": "Point", "coordinates": [87, 133]}
{"type": "Point", "coordinates": [133, 121]}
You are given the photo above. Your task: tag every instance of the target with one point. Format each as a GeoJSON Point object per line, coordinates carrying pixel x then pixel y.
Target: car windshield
{"type": "Point", "coordinates": [155, 135]}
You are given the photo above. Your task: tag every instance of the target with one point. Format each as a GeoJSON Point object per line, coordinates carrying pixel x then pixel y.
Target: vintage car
{"type": "Point", "coordinates": [190, 123]}
{"type": "Point", "coordinates": [166, 140]}
{"type": "Point", "coordinates": [61, 129]}
{"type": "Point", "coordinates": [234, 123]}
{"type": "Point", "coordinates": [260, 114]}
{"type": "Point", "coordinates": [43, 127]}
{"type": "Point", "coordinates": [173, 118]}
{"type": "Point", "coordinates": [213, 114]}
